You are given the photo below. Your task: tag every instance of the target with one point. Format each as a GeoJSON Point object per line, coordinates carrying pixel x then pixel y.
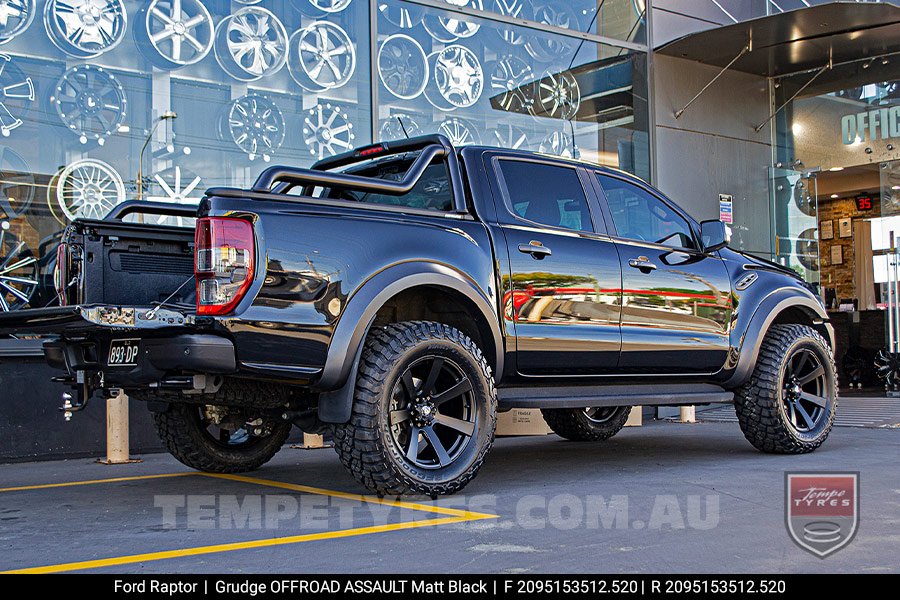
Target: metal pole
{"type": "Point", "coordinates": [789, 100]}
{"type": "Point", "coordinates": [896, 306]}
{"type": "Point", "coordinates": [744, 51]}
{"type": "Point", "coordinates": [117, 444]}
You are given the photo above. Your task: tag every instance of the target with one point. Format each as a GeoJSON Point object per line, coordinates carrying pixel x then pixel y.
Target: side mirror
{"type": "Point", "coordinates": [713, 235]}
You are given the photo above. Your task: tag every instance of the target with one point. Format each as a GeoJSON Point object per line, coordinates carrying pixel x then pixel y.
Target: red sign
{"type": "Point", "coordinates": [822, 510]}
{"type": "Point", "coordinates": [864, 203]}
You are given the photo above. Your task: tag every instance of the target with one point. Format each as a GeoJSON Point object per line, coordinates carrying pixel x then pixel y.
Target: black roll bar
{"type": "Point", "coordinates": [170, 209]}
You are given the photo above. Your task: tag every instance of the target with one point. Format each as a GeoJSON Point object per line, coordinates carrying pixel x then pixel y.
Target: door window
{"type": "Point", "coordinates": [639, 215]}
{"type": "Point", "coordinates": [546, 194]}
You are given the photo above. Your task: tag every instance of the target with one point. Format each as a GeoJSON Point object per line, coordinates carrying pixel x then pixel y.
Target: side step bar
{"type": "Point", "coordinates": [657, 394]}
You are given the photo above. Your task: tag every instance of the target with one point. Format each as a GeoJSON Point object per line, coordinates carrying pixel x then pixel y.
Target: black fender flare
{"type": "Point", "coordinates": [337, 380]}
{"type": "Point", "coordinates": [763, 317]}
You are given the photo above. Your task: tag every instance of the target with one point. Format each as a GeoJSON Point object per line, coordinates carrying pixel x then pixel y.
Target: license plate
{"type": "Point", "coordinates": [123, 353]}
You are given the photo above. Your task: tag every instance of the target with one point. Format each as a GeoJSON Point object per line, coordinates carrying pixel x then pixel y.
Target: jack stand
{"type": "Point", "coordinates": [687, 414]}
{"type": "Point", "coordinates": [117, 444]}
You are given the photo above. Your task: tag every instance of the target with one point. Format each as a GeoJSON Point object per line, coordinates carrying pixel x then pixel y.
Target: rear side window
{"type": "Point", "coordinates": [639, 215]}
{"type": "Point", "coordinates": [546, 194]}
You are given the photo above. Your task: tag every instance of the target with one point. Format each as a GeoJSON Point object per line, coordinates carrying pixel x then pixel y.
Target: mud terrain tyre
{"type": "Point", "coordinates": [184, 430]}
{"type": "Point", "coordinates": [788, 404]}
{"type": "Point", "coordinates": [424, 411]}
{"type": "Point", "coordinates": [586, 424]}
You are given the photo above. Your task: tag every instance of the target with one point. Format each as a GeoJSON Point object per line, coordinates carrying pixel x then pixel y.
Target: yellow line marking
{"type": "Point", "coordinates": [200, 550]}
{"type": "Point", "coordinates": [440, 510]}
{"type": "Point", "coordinates": [45, 486]}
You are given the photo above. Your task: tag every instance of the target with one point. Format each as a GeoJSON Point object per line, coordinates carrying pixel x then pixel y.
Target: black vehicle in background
{"type": "Point", "coordinates": [403, 293]}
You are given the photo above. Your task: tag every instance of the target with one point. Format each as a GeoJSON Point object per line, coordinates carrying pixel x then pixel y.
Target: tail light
{"type": "Point", "coordinates": [224, 257]}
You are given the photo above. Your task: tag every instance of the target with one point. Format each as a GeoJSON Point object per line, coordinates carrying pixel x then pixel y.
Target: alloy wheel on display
{"type": "Point", "coordinates": [402, 66]}
{"type": "Point", "coordinates": [90, 102]}
{"type": "Point", "coordinates": [176, 186]}
{"type": "Point", "coordinates": [512, 84]}
{"type": "Point", "coordinates": [459, 132]}
{"type": "Point", "coordinates": [558, 96]}
{"type": "Point", "coordinates": [88, 189]}
{"type": "Point", "coordinates": [558, 143]}
{"type": "Point", "coordinates": [15, 17]}
{"type": "Point", "coordinates": [251, 44]}
{"type": "Point", "coordinates": [321, 57]}
{"type": "Point", "coordinates": [85, 28]}
{"type": "Point", "coordinates": [391, 128]}
{"type": "Point", "coordinates": [458, 76]}
{"type": "Point", "coordinates": [546, 48]}
{"type": "Point", "coordinates": [18, 271]}
{"type": "Point", "coordinates": [176, 33]}
{"type": "Point", "coordinates": [16, 95]}
{"type": "Point", "coordinates": [255, 125]}
{"type": "Point", "coordinates": [399, 14]}
{"type": "Point", "coordinates": [327, 130]}
{"type": "Point", "coordinates": [509, 136]}
{"type": "Point", "coordinates": [17, 184]}
{"type": "Point", "coordinates": [432, 413]}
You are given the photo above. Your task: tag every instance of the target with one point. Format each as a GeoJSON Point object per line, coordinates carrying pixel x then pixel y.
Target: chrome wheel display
{"type": "Point", "coordinates": [178, 186]}
{"type": "Point", "coordinates": [546, 48]}
{"type": "Point", "coordinates": [91, 102]}
{"type": "Point", "coordinates": [558, 96]}
{"type": "Point", "coordinates": [256, 125]}
{"type": "Point", "coordinates": [18, 271]}
{"type": "Point", "coordinates": [85, 28]}
{"type": "Point", "coordinates": [459, 132]}
{"type": "Point", "coordinates": [327, 130]}
{"type": "Point", "coordinates": [807, 249]}
{"type": "Point", "coordinates": [402, 66]}
{"type": "Point", "coordinates": [175, 33]}
{"type": "Point", "coordinates": [391, 129]}
{"type": "Point", "coordinates": [89, 189]}
{"type": "Point", "coordinates": [517, 9]}
{"type": "Point", "coordinates": [509, 136]}
{"type": "Point", "coordinates": [320, 6]}
{"type": "Point", "coordinates": [250, 44]}
{"type": "Point", "coordinates": [321, 56]}
{"type": "Point", "coordinates": [805, 390]}
{"type": "Point", "coordinates": [404, 16]}
{"type": "Point", "coordinates": [458, 76]}
{"type": "Point", "coordinates": [559, 143]}
{"type": "Point", "coordinates": [17, 95]}
{"type": "Point", "coordinates": [449, 27]}
{"type": "Point", "coordinates": [432, 412]}
{"type": "Point", "coordinates": [17, 184]}
{"type": "Point", "coordinates": [15, 17]}
{"type": "Point", "coordinates": [512, 84]}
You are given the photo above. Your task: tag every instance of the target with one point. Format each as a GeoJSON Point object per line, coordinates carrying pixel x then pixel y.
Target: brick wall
{"type": "Point", "coordinates": [840, 276]}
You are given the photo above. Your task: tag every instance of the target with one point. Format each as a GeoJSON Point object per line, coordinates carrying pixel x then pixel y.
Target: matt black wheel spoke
{"type": "Point", "coordinates": [819, 371]}
{"type": "Point", "coordinates": [804, 358]}
{"type": "Point", "coordinates": [464, 427]}
{"type": "Point", "coordinates": [409, 385]}
{"type": "Point", "coordinates": [437, 446]}
{"type": "Point", "coordinates": [412, 453]}
{"type": "Point", "coordinates": [813, 399]}
{"type": "Point", "coordinates": [810, 423]}
{"type": "Point", "coordinates": [436, 366]}
{"type": "Point", "coordinates": [399, 416]}
{"type": "Point", "coordinates": [459, 388]}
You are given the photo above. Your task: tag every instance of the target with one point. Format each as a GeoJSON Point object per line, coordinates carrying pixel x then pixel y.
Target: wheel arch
{"type": "Point", "coordinates": [783, 306]}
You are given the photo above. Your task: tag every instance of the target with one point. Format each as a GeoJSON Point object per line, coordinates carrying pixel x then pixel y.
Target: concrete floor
{"type": "Point", "coordinates": [695, 498]}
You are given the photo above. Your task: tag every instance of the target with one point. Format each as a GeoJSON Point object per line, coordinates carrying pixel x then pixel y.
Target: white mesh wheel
{"type": "Point", "coordinates": [90, 102]}
{"type": "Point", "coordinates": [558, 96]}
{"type": "Point", "coordinates": [16, 95]}
{"type": "Point", "coordinates": [459, 132]}
{"type": "Point", "coordinates": [327, 130]}
{"type": "Point", "coordinates": [251, 44]}
{"type": "Point", "coordinates": [17, 184]}
{"type": "Point", "coordinates": [177, 186]}
{"type": "Point", "coordinates": [559, 143]}
{"type": "Point", "coordinates": [85, 28]}
{"type": "Point", "coordinates": [15, 17]}
{"type": "Point", "coordinates": [391, 129]}
{"type": "Point", "coordinates": [512, 84]}
{"type": "Point", "coordinates": [508, 136]}
{"type": "Point", "coordinates": [89, 189]}
{"type": "Point", "coordinates": [448, 26]}
{"type": "Point", "coordinates": [321, 57]}
{"type": "Point", "coordinates": [399, 14]}
{"type": "Point", "coordinates": [255, 125]}
{"type": "Point", "coordinates": [175, 33]}
{"type": "Point", "coordinates": [402, 66]}
{"type": "Point", "coordinates": [458, 76]}
{"type": "Point", "coordinates": [18, 271]}
{"type": "Point", "coordinates": [546, 48]}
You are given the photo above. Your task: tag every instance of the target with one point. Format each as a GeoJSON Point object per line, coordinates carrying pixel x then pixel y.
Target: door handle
{"type": "Point", "coordinates": [536, 249]}
{"type": "Point", "coordinates": [642, 263]}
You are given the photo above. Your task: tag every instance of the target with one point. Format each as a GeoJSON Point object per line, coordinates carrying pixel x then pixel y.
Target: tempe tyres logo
{"type": "Point", "coordinates": [821, 510]}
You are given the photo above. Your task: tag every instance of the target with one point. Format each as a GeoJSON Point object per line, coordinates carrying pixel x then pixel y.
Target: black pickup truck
{"type": "Point", "coordinates": [401, 294]}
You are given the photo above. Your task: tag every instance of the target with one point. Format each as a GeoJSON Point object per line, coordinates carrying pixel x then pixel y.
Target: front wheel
{"type": "Point", "coordinates": [586, 424]}
{"type": "Point", "coordinates": [424, 411]}
{"type": "Point", "coordinates": [788, 404]}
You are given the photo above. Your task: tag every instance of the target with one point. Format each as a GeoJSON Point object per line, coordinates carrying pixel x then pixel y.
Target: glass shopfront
{"type": "Point", "coordinates": [106, 101]}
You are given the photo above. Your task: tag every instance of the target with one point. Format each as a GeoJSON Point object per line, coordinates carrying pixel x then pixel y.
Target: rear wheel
{"type": "Point", "coordinates": [424, 411]}
{"type": "Point", "coordinates": [223, 438]}
{"type": "Point", "coordinates": [789, 403]}
{"type": "Point", "coordinates": [586, 424]}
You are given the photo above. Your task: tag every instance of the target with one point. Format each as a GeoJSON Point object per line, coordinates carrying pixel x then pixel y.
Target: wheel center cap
{"type": "Point", "coordinates": [179, 28]}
